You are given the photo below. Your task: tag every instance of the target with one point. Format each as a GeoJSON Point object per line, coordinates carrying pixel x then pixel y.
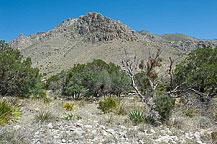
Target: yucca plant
{"type": "Point", "coordinates": [136, 117]}
{"type": "Point", "coordinates": [8, 112]}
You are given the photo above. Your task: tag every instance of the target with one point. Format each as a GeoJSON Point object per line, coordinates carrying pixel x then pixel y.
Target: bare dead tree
{"type": "Point", "coordinates": [131, 66]}
{"type": "Point", "coordinates": [151, 74]}
{"type": "Point", "coordinates": [148, 68]}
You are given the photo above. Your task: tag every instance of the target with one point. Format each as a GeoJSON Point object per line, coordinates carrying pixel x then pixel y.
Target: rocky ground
{"type": "Point", "coordinates": [98, 128]}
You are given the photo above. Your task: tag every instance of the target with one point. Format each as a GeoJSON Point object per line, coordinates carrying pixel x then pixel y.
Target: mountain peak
{"type": "Point", "coordinates": [97, 27]}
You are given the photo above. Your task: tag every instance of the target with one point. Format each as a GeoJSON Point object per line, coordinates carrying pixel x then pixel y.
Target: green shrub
{"type": "Point", "coordinates": [70, 106]}
{"type": "Point", "coordinates": [96, 79]}
{"type": "Point", "coordinates": [8, 112]}
{"type": "Point", "coordinates": [198, 71]}
{"type": "Point", "coordinates": [120, 83]}
{"type": "Point", "coordinates": [44, 116]}
{"type": "Point", "coordinates": [136, 117]}
{"type": "Point", "coordinates": [17, 76]}
{"type": "Point", "coordinates": [109, 104]}
{"type": "Point", "coordinates": [164, 106]}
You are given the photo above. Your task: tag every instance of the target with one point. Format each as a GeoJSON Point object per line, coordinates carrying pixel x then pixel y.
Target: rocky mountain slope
{"type": "Point", "coordinates": [94, 36]}
{"type": "Point", "coordinates": [179, 41]}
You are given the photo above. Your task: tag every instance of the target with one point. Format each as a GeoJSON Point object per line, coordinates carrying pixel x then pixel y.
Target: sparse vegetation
{"type": "Point", "coordinates": [94, 102]}
{"type": "Point", "coordinates": [97, 79]}
{"type": "Point", "coordinates": [121, 109]}
{"type": "Point", "coordinates": [190, 112]}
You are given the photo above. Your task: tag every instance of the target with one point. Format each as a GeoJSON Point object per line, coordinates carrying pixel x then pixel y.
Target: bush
{"type": "Point", "coordinates": [96, 79]}
{"type": "Point", "coordinates": [108, 104]}
{"type": "Point", "coordinates": [70, 106]}
{"type": "Point", "coordinates": [164, 106]}
{"type": "Point", "coordinates": [197, 73]}
{"type": "Point", "coordinates": [136, 117]}
{"type": "Point", "coordinates": [120, 83]}
{"type": "Point", "coordinates": [8, 112]}
{"type": "Point", "coordinates": [17, 77]}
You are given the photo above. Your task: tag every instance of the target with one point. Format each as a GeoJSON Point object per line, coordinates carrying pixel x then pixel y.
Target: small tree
{"type": "Point", "coordinates": [147, 68]}
{"type": "Point", "coordinates": [197, 73]}
{"type": "Point", "coordinates": [17, 77]}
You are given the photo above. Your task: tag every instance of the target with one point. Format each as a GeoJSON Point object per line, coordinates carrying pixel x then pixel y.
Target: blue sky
{"type": "Point", "coordinates": [197, 18]}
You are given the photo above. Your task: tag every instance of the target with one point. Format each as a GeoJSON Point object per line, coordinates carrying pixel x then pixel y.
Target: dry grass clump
{"type": "Point", "coordinates": [44, 116]}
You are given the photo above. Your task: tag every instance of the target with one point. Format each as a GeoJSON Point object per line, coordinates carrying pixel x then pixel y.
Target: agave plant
{"type": "Point", "coordinates": [136, 117]}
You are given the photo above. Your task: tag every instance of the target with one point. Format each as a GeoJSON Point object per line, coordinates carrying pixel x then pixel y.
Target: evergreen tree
{"type": "Point", "coordinates": [17, 77]}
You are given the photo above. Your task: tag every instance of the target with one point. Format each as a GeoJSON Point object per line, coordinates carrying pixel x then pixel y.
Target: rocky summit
{"type": "Point", "coordinates": [94, 36]}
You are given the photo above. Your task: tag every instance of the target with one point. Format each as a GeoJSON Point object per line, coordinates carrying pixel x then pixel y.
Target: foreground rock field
{"type": "Point", "coordinates": [94, 127]}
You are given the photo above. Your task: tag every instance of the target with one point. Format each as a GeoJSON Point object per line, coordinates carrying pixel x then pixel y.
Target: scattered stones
{"type": "Point", "coordinates": [88, 126]}
{"type": "Point", "coordinates": [63, 141]}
